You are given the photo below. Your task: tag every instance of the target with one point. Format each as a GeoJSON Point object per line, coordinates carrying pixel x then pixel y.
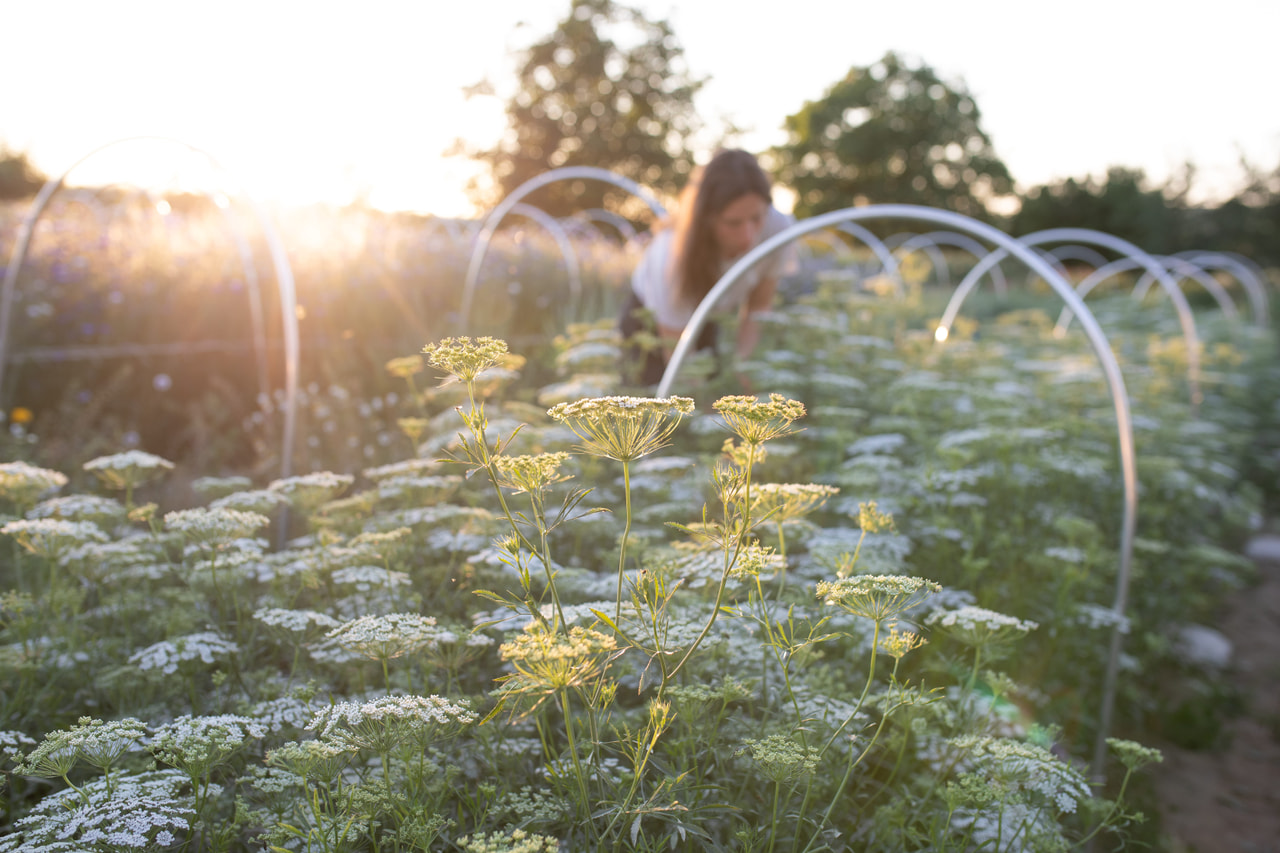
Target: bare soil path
{"type": "Point", "coordinates": [1228, 800]}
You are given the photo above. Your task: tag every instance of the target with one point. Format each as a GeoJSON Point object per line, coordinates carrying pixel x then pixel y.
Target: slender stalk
{"type": "Point", "coordinates": [626, 533]}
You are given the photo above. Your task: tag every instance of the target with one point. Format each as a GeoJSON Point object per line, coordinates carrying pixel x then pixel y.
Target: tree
{"type": "Point", "coordinates": [18, 178]}
{"type": "Point", "coordinates": [890, 133]}
{"type": "Point", "coordinates": [1122, 205]}
{"type": "Point", "coordinates": [607, 88]}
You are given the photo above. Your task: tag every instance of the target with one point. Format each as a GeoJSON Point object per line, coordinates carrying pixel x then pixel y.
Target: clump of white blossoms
{"type": "Point", "coordinates": [217, 487]}
{"type": "Point", "coordinates": [876, 597]}
{"type": "Point", "coordinates": [12, 744]}
{"type": "Point", "coordinates": [294, 621]}
{"type": "Point", "coordinates": [386, 637]}
{"type": "Point", "coordinates": [168, 655]}
{"type": "Point", "coordinates": [515, 841]}
{"type": "Point", "coordinates": [92, 508]}
{"type": "Point", "coordinates": [1026, 769]}
{"type": "Point", "coordinates": [125, 471]}
{"type": "Point", "coordinates": [380, 724]}
{"type": "Point", "coordinates": [25, 484]}
{"type": "Point", "coordinates": [196, 745]}
{"type": "Point", "coordinates": [51, 537]}
{"type": "Point", "coordinates": [782, 759]}
{"type": "Point", "coordinates": [97, 743]}
{"type": "Point", "coordinates": [253, 500]}
{"type": "Point", "coordinates": [320, 760]}
{"type": "Point", "coordinates": [117, 823]}
{"type": "Point", "coordinates": [209, 526]}
{"type": "Point", "coordinates": [309, 492]}
{"type": "Point", "coordinates": [977, 626]}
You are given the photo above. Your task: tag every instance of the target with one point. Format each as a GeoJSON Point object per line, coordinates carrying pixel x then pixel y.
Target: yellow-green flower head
{"type": "Point", "coordinates": [788, 501]}
{"type": "Point", "coordinates": [754, 560]}
{"type": "Point", "coordinates": [872, 520]}
{"type": "Point", "coordinates": [403, 368]}
{"type": "Point", "coordinates": [128, 469]}
{"type": "Point", "coordinates": [463, 357]}
{"type": "Point", "coordinates": [515, 841]}
{"type": "Point", "coordinates": [24, 484]}
{"type": "Point", "coordinates": [623, 428]}
{"type": "Point", "coordinates": [898, 643]}
{"type": "Point", "coordinates": [530, 473]}
{"type": "Point", "coordinates": [876, 597]}
{"type": "Point", "coordinates": [755, 421]}
{"type": "Point", "coordinates": [1134, 755]}
{"type": "Point", "coordinates": [547, 661]}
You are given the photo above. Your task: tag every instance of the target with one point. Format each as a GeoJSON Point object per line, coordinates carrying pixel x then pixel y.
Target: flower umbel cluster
{"type": "Point", "coordinates": [623, 428]}
{"type": "Point", "coordinates": [50, 537]}
{"type": "Point", "coordinates": [383, 722]}
{"type": "Point", "coordinates": [876, 597]}
{"type": "Point", "coordinates": [464, 358]}
{"type": "Point", "coordinates": [546, 661]}
{"type": "Point", "coordinates": [386, 637]}
{"type": "Point", "coordinates": [977, 626]}
{"type": "Point", "coordinates": [782, 759]}
{"type": "Point", "coordinates": [309, 491]}
{"type": "Point", "coordinates": [126, 470]}
{"type": "Point", "coordinates": [196, 745]}
{"type": "Point", "coordinates": [168, 655]}
{"type": "Point", "coordinates": [25, 484]}
{"type": "Point", "coordinates": [208, 526]}
{"type": "Point", "coordinates": [756, 422]}
{"type": "Point", "coordinates": [516, 841]}
{"type": "Point", "coordinates": [530, 473]}
{"type": "Point", "coordinates": [784, 502]}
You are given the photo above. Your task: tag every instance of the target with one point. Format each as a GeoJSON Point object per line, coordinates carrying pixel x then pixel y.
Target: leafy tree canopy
{"type": "Point", "coordinates": [1123, 205]}
{"type": "Point", "coordinates": [18, 177]}
{"type": "Point", "coordinates": [608, 88]}
{"type": "Point", "coordinates": [886, 133]}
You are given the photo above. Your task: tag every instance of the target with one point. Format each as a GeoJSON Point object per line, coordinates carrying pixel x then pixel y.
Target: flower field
{"type": "Point", "coordinates": [512, 608]}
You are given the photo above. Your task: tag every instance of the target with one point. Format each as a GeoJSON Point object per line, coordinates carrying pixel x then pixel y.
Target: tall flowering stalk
{"type": "Point", "coordinates": [754, 422]}
{"type": "Point", "coordinates": [465, 359]}
{"type": "Point", "coordinates": [624, 429]}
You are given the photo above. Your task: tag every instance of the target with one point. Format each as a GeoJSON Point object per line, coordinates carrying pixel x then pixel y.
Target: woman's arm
{"type": "Point", "coordinates": [760, 299]}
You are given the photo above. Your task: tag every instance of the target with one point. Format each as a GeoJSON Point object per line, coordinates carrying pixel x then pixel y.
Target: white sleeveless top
{"type": "Point", "coordinates": [652, 279]}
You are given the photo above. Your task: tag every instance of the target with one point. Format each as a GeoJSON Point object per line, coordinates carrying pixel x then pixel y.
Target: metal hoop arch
{"type": "Point", "coordinates": [1097, 339]}
{"type": "Point", "coordinates": [888, 263]}
{"type": "Point", "coordinates": [279, 259]}
{"type": "Point", "coordinates": [1120, 265]}
{"type": "Point", "coordinates": [1242, 269]}
{"type": "Point", "coordinates": [625, 229]}
{"type": "Point", "coordinates": [557, 232]}
{"type": "Point", "coordinates": [1109, 241]}
{"type": "Point", "coordinates": [1187, 270]}
{"type": "Point", "coordinates": [1083, 254]}
{"type": "Point", "coordinates": [484, 237]}
{"type": "Point", "coordinates": [941, 271]}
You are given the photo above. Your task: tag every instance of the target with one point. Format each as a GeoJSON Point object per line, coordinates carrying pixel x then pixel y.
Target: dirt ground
{"type": "Point", "coordinates": [1228, 800]}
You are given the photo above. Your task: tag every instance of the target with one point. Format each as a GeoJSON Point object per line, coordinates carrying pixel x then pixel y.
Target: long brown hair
{"type": "Point", "coordinates": [695, 257]}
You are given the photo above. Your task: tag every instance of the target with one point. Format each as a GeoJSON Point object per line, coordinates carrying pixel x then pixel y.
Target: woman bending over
{"type": "Point", "coordinates": [725, 211]}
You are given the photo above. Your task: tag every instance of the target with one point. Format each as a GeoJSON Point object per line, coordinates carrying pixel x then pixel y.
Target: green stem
{"type": "Point", "coordinates": [577, 765]}
{"type": "Point", "coordinates": [626, 533]}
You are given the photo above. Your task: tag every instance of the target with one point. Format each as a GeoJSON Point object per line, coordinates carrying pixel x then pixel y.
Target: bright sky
{"type": "Point", "coordinates": [313, 101]}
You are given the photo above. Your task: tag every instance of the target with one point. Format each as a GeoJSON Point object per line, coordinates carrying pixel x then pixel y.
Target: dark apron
{"type": "Point", "coordinates": [645, 365]}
